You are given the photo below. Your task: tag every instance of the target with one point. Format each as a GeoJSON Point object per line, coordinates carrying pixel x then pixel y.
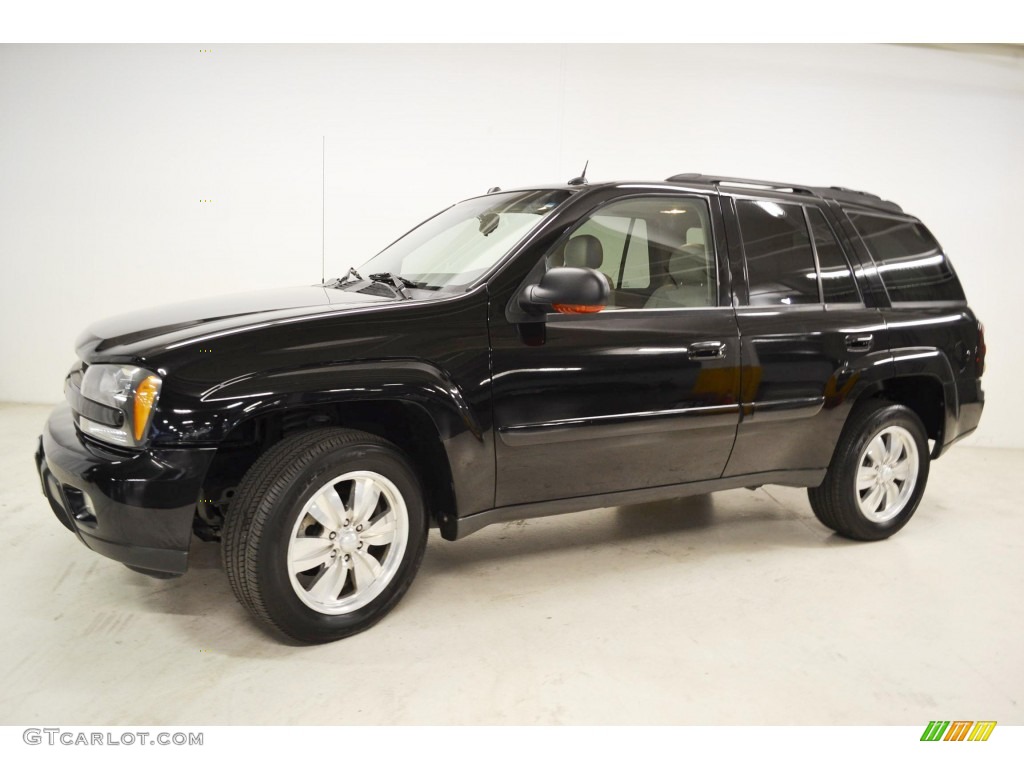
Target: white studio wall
{"type": "Point", "coordinates": [134, 175]}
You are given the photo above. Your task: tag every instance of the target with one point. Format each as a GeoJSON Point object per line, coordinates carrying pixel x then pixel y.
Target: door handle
{"type": "Point", "coordinates": [707, 350]}
{"type": "Point", "coordinates": [859, 342]}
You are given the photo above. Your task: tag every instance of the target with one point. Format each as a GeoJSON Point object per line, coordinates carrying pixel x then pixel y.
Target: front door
{"type": "Point", "coordinates": [642, 394]}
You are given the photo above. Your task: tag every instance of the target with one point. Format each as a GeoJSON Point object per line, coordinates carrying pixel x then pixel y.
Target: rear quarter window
{"type": "Point", "coordinates": [909, 260]}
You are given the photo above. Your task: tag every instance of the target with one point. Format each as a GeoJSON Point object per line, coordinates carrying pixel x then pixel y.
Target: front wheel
{"type": "Point", "coordinates": [325, 534]}
{"type": "Point", "coordinates": [878, 474]}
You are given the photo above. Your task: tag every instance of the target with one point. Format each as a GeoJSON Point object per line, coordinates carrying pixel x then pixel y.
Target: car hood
{"type": "Point", "coordinates": [127, 333]}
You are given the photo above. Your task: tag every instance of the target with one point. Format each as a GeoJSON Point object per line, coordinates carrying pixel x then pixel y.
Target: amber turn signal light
{"type": "Point", "coordinates": [145, 397]}
{"type": "Point", "coordinates": [577, 309]}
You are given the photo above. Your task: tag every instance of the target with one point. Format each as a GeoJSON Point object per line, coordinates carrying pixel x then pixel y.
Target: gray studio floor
{"type": "Point", "coordinates": [732, 608]}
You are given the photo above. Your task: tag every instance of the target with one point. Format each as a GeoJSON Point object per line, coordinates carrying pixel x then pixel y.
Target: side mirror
{"type": "Point", "coordinates": [570, 290]}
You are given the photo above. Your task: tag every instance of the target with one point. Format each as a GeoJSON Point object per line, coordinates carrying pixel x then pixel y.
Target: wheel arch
{"type": "Point", "coordinates": [407, 425]}
{"type": "Point", "coordinates": [922, 380]}
{"type": "Point", "coordinates": [412, 405]}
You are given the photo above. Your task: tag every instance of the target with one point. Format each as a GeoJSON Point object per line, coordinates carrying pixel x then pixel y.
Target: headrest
{"type": "Point", "coordinates": [688, 264]}
{"type": "Point", "coordinates": [584, 251]}
{"type": "Point", "coordinates": [695, 236]}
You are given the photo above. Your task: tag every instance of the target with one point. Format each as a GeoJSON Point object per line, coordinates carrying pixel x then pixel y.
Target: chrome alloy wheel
{"type": "Point", "coordinates": [348, 542]}
{"type": "Point", "coordinates": [887, 474]}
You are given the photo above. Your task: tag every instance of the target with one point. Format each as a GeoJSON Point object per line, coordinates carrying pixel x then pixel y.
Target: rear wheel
{"type": "Point", "coordinates": [878, 474]}
{"type": "Point", "coordinates": [325, 534]}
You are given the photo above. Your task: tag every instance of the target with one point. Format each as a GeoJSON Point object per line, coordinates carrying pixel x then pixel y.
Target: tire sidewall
{"type": "Point", "coordinates": [888, 416]}
{"type": "Point", "coordinates": [282, 604]}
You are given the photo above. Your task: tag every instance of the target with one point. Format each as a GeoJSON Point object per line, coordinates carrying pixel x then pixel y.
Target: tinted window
{"type": "Point", "coordinates": [780, 262]}
{"type": "Point", "coordinates": [636, 271]}
{"type": "Point", "coordinates": [655, 252]}
{"type": "Point", "coordinates": [625, 261]}
{"type": "Point", "coordinates": [460, 244]}
{"type": "Point", "coordinates": [910, 262]}
{"type": "Point", "coordinates": [837, 283]}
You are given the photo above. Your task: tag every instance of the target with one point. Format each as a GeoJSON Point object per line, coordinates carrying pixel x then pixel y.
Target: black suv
{"type": "Point", "coordinates": [522, 353]}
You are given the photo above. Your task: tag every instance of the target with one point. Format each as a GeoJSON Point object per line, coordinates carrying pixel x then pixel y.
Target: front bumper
{"type": "Point", "coordinates": [134, 508]}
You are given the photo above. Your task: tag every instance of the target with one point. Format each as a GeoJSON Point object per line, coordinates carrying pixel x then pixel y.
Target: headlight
{"type": "Point", "coordinates": [131, 390]}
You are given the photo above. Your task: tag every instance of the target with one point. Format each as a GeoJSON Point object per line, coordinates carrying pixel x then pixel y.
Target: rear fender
{"type": "Point", "coordinates": [933, 363]}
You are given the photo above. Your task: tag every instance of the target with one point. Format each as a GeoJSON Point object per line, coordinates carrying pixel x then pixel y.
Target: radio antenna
{"type": "Point", "coordinates": [323, 209]}
{"type": "Point", "coordinates": [582, 178]}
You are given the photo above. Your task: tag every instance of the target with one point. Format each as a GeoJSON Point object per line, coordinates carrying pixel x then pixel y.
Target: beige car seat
{"type": "Point", "coordinates": [687, 284]}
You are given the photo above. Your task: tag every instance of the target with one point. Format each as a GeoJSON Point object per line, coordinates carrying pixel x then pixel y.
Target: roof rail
{"type": "Point", "coordinates": [732, 181]}
{"type": "Point", "coordinates": [839, 194]}
{"type": "Point", "coordinates": [845, 195]}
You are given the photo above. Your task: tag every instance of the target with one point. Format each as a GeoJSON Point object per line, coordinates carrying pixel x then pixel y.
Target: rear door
{"type": "Point", "coordinates": [805, 333]}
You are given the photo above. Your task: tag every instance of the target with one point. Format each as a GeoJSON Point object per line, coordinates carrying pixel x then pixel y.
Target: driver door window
{"type": "Point", "coordinates": [655, 252]}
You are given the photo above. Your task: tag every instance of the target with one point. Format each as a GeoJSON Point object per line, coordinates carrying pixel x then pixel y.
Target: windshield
{"type": "Point", "coordinates": [460, 244]}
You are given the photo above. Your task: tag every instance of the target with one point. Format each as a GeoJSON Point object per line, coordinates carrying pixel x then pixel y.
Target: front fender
{"type": "Point", "coordinates": [416, 381]}
{"type": "Point", "coordinates": [221, 410]}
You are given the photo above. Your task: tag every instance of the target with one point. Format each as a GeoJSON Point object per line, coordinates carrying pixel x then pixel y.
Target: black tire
{"type": "Point", "coordinates": [274, 507]}
{"type": "Point", "coordinates": [838, 502]}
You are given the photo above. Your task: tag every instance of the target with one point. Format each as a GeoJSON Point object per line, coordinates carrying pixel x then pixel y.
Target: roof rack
{"type": "Point", "coordinates": [839, 194]}
{"type": "Point", "coordinates": [733, 181]}
{"type": "Point", "coordinates": [845, 195]}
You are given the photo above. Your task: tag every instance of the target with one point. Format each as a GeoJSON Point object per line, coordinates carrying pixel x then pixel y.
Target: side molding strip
{"type": "Point", "coordinates": [619, 425]}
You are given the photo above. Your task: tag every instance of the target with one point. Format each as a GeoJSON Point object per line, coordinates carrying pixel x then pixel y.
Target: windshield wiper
{"type": "Point", "coordinates": [350, 277]}
{"type": "Point", "coordinates": [397, 282]}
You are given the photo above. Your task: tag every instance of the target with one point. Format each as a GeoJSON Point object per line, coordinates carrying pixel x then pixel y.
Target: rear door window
{"type": "Point", "coordinates": [780, 260]}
